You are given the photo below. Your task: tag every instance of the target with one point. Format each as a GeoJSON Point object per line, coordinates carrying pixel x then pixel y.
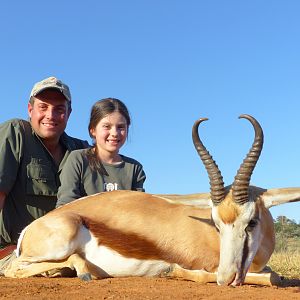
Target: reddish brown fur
{"type": "Point", "coordinates": [137, 216]}
{"type": "Point", "coordinates": [176, 239]}
{"type": "Point", "coordinates": [127, 244]}
{"type": "Point", "coordinates": [228, 210]}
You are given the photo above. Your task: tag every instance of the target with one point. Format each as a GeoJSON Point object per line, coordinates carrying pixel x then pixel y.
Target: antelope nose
{"type": "Point", "coordinates": [225, 279]}
{"type": "Point", "coordinates": [223, 282]}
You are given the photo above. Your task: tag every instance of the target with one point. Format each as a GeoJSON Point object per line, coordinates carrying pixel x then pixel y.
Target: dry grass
{"type": "Point", "coordinates": [286, 263]}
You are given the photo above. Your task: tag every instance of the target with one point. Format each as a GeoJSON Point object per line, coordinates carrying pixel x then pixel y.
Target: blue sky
{"type": "Point", "coordinates": [171, 62]}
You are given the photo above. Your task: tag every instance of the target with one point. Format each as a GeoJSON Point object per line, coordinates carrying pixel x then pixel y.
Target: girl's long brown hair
{"type": "Point", "coordinates": [100, 110]}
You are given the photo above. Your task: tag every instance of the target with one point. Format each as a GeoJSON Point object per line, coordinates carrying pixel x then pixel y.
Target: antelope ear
{"type": "Point", "coordinates": [273, 197]}
{"type": "Point", "coordinates": [201, 200]}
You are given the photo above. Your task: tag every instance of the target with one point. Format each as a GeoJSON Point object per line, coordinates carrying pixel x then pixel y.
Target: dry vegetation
{"type": "Point", "coordinates": [286, 264]}
{"type": "Point", "coordinates": [286, 257]}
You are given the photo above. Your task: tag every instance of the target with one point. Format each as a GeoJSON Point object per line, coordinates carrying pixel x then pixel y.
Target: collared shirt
{"type": "Point", "coordinates": [28, 175]}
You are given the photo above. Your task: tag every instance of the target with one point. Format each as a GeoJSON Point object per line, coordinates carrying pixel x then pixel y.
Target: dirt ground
{"type": "Point", "coordinates": [137, 288]}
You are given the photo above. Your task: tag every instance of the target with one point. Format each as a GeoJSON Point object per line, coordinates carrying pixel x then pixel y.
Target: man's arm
{"type": "Point", "coordinates": [2, 199]}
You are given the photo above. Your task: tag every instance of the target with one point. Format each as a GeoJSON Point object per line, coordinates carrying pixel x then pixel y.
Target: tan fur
{"type": "Point", "coordinates": [228, 210]}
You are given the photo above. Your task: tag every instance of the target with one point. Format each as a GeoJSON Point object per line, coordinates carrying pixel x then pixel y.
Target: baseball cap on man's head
{"type": "Point", "coordinates": [51, 83]}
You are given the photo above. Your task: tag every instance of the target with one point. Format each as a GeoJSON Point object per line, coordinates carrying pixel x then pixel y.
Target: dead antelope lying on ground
{"type": "Point", "coordinates": [127, 233]}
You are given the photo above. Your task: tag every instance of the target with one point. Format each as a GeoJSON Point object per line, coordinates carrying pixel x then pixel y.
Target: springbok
{"type": "Point", "coordinates": [210, 237]}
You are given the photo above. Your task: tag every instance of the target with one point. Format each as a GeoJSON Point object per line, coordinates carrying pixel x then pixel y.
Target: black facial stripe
{"type": "Point", "coordinates": [245, 252]}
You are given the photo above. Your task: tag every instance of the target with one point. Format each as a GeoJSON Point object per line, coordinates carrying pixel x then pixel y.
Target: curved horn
{"type": "Point", "coordinates": [242, 179]}
{"type": "Point", "coordinates": [217, 189]}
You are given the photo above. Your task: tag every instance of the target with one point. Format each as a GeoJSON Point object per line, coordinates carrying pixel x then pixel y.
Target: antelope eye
{"type": "Point", "coordinates": [251, 225]}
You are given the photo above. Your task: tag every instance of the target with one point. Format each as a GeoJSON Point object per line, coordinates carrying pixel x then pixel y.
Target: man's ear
{"type": "Point", "coordinates": [69, 111]}
{"type": "Point", "coordinates": [29, 109]}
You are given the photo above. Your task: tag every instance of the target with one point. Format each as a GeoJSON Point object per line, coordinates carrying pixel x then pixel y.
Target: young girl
{"type": "Point", "coordinates": [101, 168]}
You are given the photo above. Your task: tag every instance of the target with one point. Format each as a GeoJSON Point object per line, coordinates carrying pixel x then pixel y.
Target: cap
{"type": "Point", "coordinates": [53, 83]}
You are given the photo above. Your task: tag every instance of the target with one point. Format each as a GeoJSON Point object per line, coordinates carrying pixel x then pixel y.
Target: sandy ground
{"type": "Point", "coordinates": [138, 288]}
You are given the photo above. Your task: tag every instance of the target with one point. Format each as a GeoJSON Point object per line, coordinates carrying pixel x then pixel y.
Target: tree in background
{"type": "Point", "coordinates": [287, 234]}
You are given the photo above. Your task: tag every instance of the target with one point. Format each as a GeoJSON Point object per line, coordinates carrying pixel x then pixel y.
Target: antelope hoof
{"type": "Point", "coordinates": [85, 276]}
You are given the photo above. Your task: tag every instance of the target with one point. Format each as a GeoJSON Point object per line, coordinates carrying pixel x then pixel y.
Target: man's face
{"type": "Point", "coordinates": [49, 114]}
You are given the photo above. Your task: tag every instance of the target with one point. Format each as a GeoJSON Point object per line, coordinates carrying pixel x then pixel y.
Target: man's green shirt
{"type": "Point", "coordinates": [28, 175]}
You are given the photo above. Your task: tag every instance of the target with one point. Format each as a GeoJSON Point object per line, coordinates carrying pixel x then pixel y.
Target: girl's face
{"type": "Point", "coordinates": [110, 133]}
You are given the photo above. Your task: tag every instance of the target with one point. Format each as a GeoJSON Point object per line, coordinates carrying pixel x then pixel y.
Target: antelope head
{"type": "Point", "coordinates": [237, 214]}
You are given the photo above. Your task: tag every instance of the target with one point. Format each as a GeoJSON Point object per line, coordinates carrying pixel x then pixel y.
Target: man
{"type": "Point", "coordinates": [32, 155]}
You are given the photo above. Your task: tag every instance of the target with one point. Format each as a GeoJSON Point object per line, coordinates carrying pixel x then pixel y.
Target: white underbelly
{"type": "Point", "coordinates": [117, 265]}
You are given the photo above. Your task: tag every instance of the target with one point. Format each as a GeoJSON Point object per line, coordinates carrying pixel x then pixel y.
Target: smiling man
{"type": "Point", "coordinates": [32, 155]}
